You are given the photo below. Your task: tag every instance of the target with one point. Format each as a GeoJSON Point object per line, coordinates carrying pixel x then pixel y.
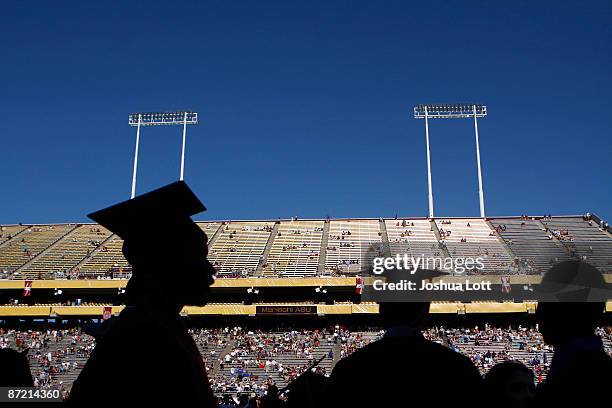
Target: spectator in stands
{"type": "Point", "coordinates": [123, 350]}
{"type": "Point", "coordinates": [510, 384]}
{"type": "Point", "coordinates": [403, 367]}
{"type": "Point", "coordinates": [580, 371]}
{"type": "Point", "coordinates": [15, 370]}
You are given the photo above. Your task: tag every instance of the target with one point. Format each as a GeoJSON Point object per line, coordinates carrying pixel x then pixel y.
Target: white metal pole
{"type": "Point", "coordinates": [431, 205]}
{"type": "Point", "coordinates": [480, 192]}
{"type": "Point", "coordinates": [183, 152]}
{"type": "Point", "coordinates": [136, 158]}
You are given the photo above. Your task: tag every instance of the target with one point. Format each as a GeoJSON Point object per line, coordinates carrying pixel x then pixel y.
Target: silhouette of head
{"type": "Point", "coordinates": [571, 315]}
{"type": "Point", "coordinates": [15, 369]}
{"type": "Point", "coordinates": [162, 243]}
{"type": "Point", "coordinates": [510, 384]}
{"type": "Point", "coordinates": [412, 314]}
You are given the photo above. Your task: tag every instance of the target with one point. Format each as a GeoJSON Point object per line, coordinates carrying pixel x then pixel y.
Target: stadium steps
{"type": "Point", "coordinates": [2, 243]}
{"type": "Point", "coordinates": [566, 248]}
{"type": "Point", "coordinates": [597, 220]}
{"type": "Point", "coordinates": [502, 242]}
{"type": "Point", "coordinates": [586, 240]}
{"type": "Point", "coordinates": [436, 231]}
{"type": "Point", "coordinates": [323, 249]}
{"type": "Point", "coordinates": [88, 257]}
{"type": "Point", "coordinates": [267, 249]}
{"type": "Point", "coordinates": [228, 349]}
{"type": "Point", "coordinates": [385, 238]}
{"type": "Point", "coordinates": [337, 350]}
{"type": "Point", "coordinates": [530, 242]}
{"type": "Point", "coordinates": [216, 235]}
{"type": "Point", "coordinates": [47, 249]}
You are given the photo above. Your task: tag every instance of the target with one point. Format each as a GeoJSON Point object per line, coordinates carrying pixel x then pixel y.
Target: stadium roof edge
{"type": "Point", "coordinates": [322, 219]}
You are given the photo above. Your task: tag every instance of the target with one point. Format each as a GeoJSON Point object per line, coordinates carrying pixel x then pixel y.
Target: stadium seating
{"type": "Point", "coordinates": [492, 345]}
{"type": "Point", "coordinates": [245, 360]}
{"type": "Point", "coordinates": [56, 356]}
{"type": "Point", "coordinates": [311, 248]}
{"type": "Point", "coordinates": [412, 237]}
{"type": "Point", "coordinates": [273, 356]}
{"type": "Point", "coordinates": [469, 237]}
{"type": "Point", "coordinates": [9, 231]}
{"type": "Point", "coordinates": [28, 244]}
{"type": "Point", "coordinates": [351, 245]}
{"type": "Point", "coordinates": [529, 241]}
{"type": "Point", "coordinates": [105, 258]}
{"type": "Point", "coordinates": [295, 250]}
{"type": "Point", "coordinates": [210, 228]}
{"type": "Point", "coordinates": [69, 251]}
{"type": "Point", "coordinates": [239, 247]}
{"type": "Point", "coordinates": [585, 239]}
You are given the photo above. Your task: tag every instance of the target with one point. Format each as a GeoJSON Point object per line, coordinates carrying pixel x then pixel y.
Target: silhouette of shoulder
{"type": "Point", "coordinates": [583, 380]}
{"type": "Point", "coordinates": [141, 360]}
{"type": "Point", "coordinates": [381, 372]}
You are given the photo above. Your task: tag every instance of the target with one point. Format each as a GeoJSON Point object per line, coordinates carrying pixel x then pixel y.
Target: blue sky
{"type": "Point", "coordinates": [305, 107]}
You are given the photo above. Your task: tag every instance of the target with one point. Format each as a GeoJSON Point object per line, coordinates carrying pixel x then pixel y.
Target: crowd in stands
{"type": "Point", "coordinates": [53, 354]}
{"type": "Point", "coordinates": [248, 361]}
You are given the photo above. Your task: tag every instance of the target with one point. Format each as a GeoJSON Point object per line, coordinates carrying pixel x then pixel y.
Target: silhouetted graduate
{"type": "Point", "coordinates": [404, 368]}
{"type": "Point", "coordinates": [510, 384]}
{"type": "Point", "coordinates": [15, 370]}
{"type": "Point", "coordinates": [581, 371]}
{"type": "Point", "coordinates": [145, 356]}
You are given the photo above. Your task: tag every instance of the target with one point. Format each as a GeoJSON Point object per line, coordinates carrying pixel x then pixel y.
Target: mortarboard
{"type": "Point", "coordinates": [573, 281]}
{"type": "Point", "coordinates": [172, 202]}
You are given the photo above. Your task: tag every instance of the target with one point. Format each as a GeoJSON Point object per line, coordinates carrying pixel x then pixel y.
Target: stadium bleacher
{"type": "Point", "coordinates": [59, 260]}
{"type": "Point", "coordinates": [528, 240]}
{"type": "Point", "coordinates": [242, 360]}
{"type": "Point", "coordinates": [351, 244]}
{"type": "Point", "coordinates": [584, 239]}
{"type": "Point", "coordinates": [473, 237]}
{"type": "Point", "coordinates": [24, 247]}
{"type": "Point", "coordinates": [295, 250]}
{"type": "Point", "coordinates": [413, 237]}
{"type": "Point", "coordinates": [239, 247]}
{"type": "Point", "coordinates": [106, 257]}
{"type": "Point", "coordinates": [310, 248]}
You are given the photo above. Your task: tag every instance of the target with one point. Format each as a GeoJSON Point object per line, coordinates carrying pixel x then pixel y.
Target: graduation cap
{"type": "Point", "coordinates": [170, 204]}
{"type": "Point", "coordinates": [573, 281]}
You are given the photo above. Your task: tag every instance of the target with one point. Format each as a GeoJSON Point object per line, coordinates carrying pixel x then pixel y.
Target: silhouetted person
{"type": "Point", "coordinates": [404, 369]}
{"type": "Point", "coordinates": [15, 369]}
{"type": "Point", "coordinates": [145, 357]}
{"type": "Point", "coordinates": [271, 400]}
{"type": "Point", "coordinates": [580, 371]}
{"type": "Point", "coordinates": [306, 391]}
{"type": "Point", "coordinates": [510, 384]}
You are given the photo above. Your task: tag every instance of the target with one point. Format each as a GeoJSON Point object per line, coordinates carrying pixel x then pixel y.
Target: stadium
{"type": "Point", "coordinates": [294, 215]}
{"type": "Point", "coordinates": [286, 291]}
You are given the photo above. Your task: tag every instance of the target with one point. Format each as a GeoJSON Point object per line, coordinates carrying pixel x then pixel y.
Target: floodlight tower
{"type": "Point", "coordinates": [158, 119]}
{"type": "Point", "coordinates": [452, 111]}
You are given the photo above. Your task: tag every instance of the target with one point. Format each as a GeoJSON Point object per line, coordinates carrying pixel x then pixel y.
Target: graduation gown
{"type": "Point", "coordinates": [579, 376]}
{"type": "Point", "coordinates": [144, 357]}
{"type": "Point", "coordinates": [404, 371]}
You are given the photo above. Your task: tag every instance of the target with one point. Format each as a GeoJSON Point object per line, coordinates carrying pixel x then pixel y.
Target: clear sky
{"type": "Point", "coordinates": [305, 107]}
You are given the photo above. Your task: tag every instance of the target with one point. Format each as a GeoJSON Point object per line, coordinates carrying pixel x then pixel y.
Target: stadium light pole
{"type": "Point", "coordinates": [183, 148]}
{"type": "Point", "coordinates": [136, 157]}
{"type": "Point", "coordinates": [430, 189]}
{"type": "Point", "coordinates": [159, 119]}
{"type": "Point", "coordinates": [480, 193]}
{"type": "Point", "coordinates": [452, 111]}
